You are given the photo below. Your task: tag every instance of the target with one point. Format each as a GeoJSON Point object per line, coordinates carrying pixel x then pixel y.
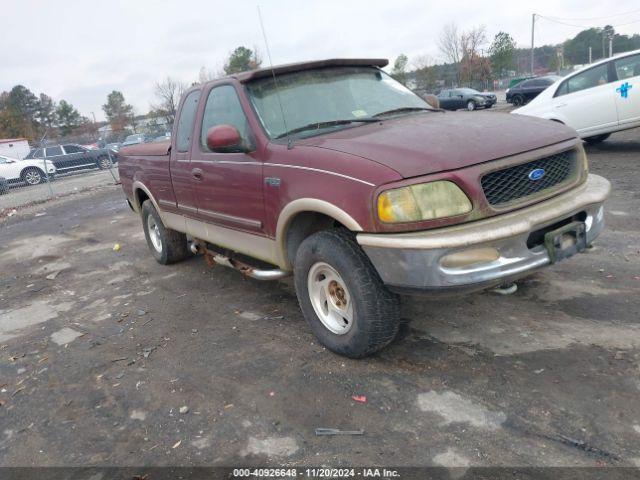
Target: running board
{"type": "Point", "coordinates": [198, 247]}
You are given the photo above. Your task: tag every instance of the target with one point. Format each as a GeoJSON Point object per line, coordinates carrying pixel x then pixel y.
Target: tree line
{"type": "Point", "coordinates": [23, 114]}
{"type": "Point", "coordinates": [468, 59]}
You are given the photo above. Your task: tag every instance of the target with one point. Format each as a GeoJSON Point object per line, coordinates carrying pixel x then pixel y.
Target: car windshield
{"type": "Point", "coordinates": [329, 97]}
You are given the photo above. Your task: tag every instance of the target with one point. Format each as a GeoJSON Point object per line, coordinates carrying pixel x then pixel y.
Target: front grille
{"type": "Point", "coordinates": [514, 183]}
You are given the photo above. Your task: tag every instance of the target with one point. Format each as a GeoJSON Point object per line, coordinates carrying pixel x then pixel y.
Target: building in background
{"type": "Point", "coordinates": [14, 147]}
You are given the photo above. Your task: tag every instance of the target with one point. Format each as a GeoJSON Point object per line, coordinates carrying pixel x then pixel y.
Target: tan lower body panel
{"type": "Point", "coordinates": [249, 244]}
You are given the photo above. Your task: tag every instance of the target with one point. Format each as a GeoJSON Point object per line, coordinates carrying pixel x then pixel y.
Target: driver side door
{"type": "Point", "coordinates": [228, 185]}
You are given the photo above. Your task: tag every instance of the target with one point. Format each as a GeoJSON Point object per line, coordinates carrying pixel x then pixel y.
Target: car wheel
{"type": "Point", "coordinates": [597, 138]}
{"type": "Point", "coordinates": [166, 245]}
{"type": "Point", "coordinates": [103, 163]}
{"type": "Point", "coordinates": [518, 100]}
{"type": "Point", "coordinates": [32, 176]}
{"type": "Point", "coordinates": [471, 105]}
{"type": "Point", "coordinates": [343, 299]}
{"type": "Point", "coordinates": [4, 186]}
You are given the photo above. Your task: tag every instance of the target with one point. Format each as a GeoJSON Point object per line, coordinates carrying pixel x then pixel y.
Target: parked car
{"type": "Point", "coordinates": [162, 138]}
{"type": "Point", "coordinates": [72, 157]}
{"type": "Point", "coordinates": [4, 186]}
{"type": "Point", "coordinates": [596, 100]}
{"type": "Point", "coordinates": [361, 190]}
{"type": "Point", "coordinates": [527, 90]}
{"type": "Point", "coordinates": [468, 98]}
{"type": "Point", "coordinates": [134, 139]}
{"type": "Point", "coordinates": [31, 172]}
{"type": "Point", "coordinates": [114, 147]}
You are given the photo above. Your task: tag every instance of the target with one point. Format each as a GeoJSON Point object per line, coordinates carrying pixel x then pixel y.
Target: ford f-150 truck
{"type": "Point", "coordinates": [334, 172]}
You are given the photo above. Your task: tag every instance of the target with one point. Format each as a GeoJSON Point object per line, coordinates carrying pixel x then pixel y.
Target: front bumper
{"type": "Point", "coordinates": [414, 262]}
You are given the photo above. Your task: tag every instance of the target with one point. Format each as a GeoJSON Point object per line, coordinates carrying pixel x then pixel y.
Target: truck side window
{"type": "Point", "coordinates": [186, 121]}
{"type": "Point", "coordinates": [223, 108]}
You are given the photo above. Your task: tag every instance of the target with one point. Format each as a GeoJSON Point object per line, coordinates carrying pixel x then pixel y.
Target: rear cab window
{"type": "Point", "coordinates": [186, 121]}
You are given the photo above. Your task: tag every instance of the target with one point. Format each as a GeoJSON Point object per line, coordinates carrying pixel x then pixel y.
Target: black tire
{"type": "Point", "coordinates": [174, 245]}
{"type": "Point", "coordinates": [471, 105]}
{"type": "Point", "coordinates": [597, 138]}
{"type": "Point", "coordinates": [376, 310]}
{"type": "Point", "coordinates": [4, 186]}
{"type": "Point", "coordinates": [32, 176]}
{"type": "Point", "coordinates": [518, 100]}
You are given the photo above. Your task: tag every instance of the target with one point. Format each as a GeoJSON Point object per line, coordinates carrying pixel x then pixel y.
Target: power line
{"type": "Point", "coordinates": [551, 19]}
{"type": "Point", "coordinates": [595, 18]}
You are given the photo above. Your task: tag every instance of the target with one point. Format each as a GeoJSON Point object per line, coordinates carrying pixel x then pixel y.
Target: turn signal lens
{"type": "Point", "coordinates": [424, 201]}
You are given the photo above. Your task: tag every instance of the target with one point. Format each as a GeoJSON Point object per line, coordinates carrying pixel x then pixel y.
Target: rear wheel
{"type": "Point", "coordinates": [518, 100]}
{"type": "Point", "coordinates": [597, 138]}
{"type": "Point", "coordinates": [32, 176]}
{"type": "Point", "coordinates": [103, 163]}
{"type": "Point", "coordinates": [166, 245]}
{"type": "Point", "coordinates": [471, 105]}
{"type": "Point", "coordinates": [348, 307]}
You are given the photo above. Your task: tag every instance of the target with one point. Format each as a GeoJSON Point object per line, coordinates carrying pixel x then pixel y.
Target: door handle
{"type": "Point", "coordinates": [197, 174]}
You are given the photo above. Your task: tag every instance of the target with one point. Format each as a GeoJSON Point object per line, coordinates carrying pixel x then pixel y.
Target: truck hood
{"type": "Point", "coordinates": [425, 143]}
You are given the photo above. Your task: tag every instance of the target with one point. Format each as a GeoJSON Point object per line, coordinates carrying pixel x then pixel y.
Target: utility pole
{"type": "Point", "coordinates": [590, 56]}
{"type": "Point", "coordinates": [610, 47]}
{"type": "Point", "coordinates": [533, 28]}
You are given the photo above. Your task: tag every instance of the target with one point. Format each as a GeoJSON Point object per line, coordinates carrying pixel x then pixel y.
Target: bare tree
{"type": "Point", "coordinates": [449, 43]}
{"type": "Point", "coordinates": [168, 93]}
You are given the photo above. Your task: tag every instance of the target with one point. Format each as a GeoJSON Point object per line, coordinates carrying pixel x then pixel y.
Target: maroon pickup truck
{"type": "Point", "coordinates": [334, 172]}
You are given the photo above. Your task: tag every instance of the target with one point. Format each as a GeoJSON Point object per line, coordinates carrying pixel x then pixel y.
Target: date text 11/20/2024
{"type": "Point", "coordinates": [315, 473]}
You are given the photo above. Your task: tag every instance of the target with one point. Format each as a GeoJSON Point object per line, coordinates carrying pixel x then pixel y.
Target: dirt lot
{"type": "Point", "coordinates": [100, 349]}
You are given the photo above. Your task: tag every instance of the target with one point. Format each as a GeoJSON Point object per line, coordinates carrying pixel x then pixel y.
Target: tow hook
{"type": "Point", "coordinates": [506, 288]}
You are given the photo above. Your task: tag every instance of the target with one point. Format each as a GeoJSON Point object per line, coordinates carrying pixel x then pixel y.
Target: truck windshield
{"type": "Point", "coordinates": [329, 97]}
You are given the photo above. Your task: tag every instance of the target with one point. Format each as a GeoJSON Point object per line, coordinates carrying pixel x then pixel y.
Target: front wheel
{"type": "Point", "coordinates": [597, 138]}
{"type": "Point", "coordinates": [166, 245]}
{"type": "Point", "coordinates": [471, 105]}
{"type": "Point", "coordinates": [518, 100]}
{"type": "Point", "coordinates": [33, 176]}
{"type": "Point", "coordinates": [342, 297]}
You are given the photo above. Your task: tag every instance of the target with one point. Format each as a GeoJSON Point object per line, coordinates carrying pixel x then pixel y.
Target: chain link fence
{"type": "Point", "coordinates": [55, 168]}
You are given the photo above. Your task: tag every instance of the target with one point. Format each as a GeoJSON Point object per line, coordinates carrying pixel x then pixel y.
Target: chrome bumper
{"type": "Point", "coordinates": [414, 261]}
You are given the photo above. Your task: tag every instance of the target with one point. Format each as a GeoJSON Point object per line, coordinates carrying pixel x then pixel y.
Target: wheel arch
{"type": "Point", "coordinates": [32, 167]}
{"type": "Point", "coordinates": [140, 194]}
{"type": "Point", "coordinates": [303, 217]}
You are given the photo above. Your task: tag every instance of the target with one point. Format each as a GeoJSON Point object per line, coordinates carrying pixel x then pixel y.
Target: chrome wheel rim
{"type": "Point", "coordinates": [154, 233]}
{"type": "Point", "coordinates": [32, 177]}
{"type": "Point", "coordinates": [471, 106]}
{"type": "Point", "coordinates": [105, 163]}
{"type": "Point", "coordinates": [330, 298]}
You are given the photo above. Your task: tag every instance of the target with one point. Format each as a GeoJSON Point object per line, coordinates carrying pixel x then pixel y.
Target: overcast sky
{"type": "Point", "coordinates": [80, 50]}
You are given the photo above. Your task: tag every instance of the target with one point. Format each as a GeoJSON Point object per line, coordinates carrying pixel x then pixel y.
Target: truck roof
{"type": "Point", "coordinates": [300, 66]}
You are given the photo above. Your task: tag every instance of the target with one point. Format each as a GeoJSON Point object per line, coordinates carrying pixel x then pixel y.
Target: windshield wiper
{"type": "Point", "coordinates": [408, 109]}
{"type": "Point", "coordinates": [330, 123]}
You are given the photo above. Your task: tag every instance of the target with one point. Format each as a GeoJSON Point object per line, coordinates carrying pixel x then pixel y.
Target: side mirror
{"type": "Point", "coordinates": [225, 138]}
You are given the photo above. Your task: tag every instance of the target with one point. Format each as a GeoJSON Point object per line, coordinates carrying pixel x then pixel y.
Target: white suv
{"type": "Point", "coordinates": [596, 100]}
{"type": "Point", "coordinates": [31, 172]}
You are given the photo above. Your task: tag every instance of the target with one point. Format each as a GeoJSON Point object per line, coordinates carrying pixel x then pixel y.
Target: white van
{"type": "Point", "coordinates": [596, 100]}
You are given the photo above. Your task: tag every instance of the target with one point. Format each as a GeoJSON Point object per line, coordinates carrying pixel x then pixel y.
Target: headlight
{"type": "Point", "coordinates": [424, 201]}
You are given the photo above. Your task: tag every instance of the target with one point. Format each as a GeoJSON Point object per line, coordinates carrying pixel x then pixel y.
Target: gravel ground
{"type": "Point", "coordinates": [107, 358]}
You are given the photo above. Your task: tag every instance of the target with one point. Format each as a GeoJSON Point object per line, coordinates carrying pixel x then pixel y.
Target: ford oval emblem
{"type": "Point", "coordinates": [536, 174]}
